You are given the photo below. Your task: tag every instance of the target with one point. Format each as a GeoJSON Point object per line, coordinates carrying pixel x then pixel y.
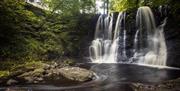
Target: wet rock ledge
{"type": "Point", "coordinates": [170, 85]}
{"type": "Point", "coordinates": [42, 73]}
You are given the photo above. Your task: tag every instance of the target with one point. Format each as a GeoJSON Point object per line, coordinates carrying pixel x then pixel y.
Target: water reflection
{"type": "Point", "coordinates": [115, 77]}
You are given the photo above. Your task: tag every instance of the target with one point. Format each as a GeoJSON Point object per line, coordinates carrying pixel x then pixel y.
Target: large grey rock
{"type": "Point", "coordinates": [11, 82]}
{"type": "Point", "coordinates": [35, 76]}
{"type": "Point", "coordinates": [76, 73]}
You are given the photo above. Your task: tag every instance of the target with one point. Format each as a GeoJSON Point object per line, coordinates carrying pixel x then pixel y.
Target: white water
{"type": "Point", "coordinates": [152, 47]}
{"type": "Point", "coordinates": [104, 47]}
{"type": "Point", "coordinates": [109, 46]}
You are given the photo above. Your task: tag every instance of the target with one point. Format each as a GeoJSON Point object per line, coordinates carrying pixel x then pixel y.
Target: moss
{"type": "Point", "coordinates": [30, 65]}
{"type": "Point", "coordinates": [14, 68]}
{"type": "Point", "coordinates": [68, 61]}
{"type": "Point", "coordinates": [12, 65]}
{"type": "Point", "coordinates": [29, 33]}
{"type": "Point", "coordinates": [4, 74]}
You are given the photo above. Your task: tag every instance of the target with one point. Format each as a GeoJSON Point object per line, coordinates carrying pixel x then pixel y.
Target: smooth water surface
{"type": "Point", "coordinates": [116, 77]}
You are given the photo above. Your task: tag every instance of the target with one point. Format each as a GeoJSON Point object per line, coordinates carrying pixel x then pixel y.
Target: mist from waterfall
{"type": "Point", "coordinates": [104, 47]}
{"type": "Point", "coordinates": [109, 44]}
{"type": "Point", "coordinates": [149, 42]}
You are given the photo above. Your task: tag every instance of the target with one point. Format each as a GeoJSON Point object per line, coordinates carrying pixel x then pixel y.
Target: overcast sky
{"type": "Point", "coordinates": [98, 5]}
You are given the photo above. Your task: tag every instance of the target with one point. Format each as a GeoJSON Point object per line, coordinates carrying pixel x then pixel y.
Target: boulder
{"type": "Point", "coordinates": [76, 74]}
{"type": "Point", "coordinates": [11, 82]}
{"type": "Point", "coordinates": [71, 73]}
{"type": "Point", "coordinates": [35, 76]}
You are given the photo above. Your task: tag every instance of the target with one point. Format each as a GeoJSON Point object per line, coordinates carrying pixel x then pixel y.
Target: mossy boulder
{"type": "Point", "coordinates": [35, 76]}
{"type": "Point", "coordinates": [45, 73]}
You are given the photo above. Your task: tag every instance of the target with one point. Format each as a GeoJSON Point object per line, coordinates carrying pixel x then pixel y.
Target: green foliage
{"type": "Point", "coordinates": [71, 30]}
{"type": "Point", "coordinates": [30, 33]}
{"type": "Point", "coordinates": [123, 5]}
{"type": "Point", "coordinates": [11, 67]}
{"type": "Point", "coordinates": [71, 7]}
{"type": "Point", "coordinates": [13, 23]}
{"type": "Point", "coordinates": [28, 65]}
{"type": "Point", "coordinates": [68, 62]}
{"type": "Point", "coordinates": [4, 74]}
{"type": "Point", "coordinates": [153, 3]}
{"type": "Point", "coordinates": [132, 5]}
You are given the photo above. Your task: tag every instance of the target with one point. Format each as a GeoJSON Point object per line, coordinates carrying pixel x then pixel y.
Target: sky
{"type": "Point", "coordinates": [98, 5]}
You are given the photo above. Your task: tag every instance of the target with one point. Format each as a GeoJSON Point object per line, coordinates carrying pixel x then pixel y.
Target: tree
{"type": "Point", "coordinates": [123, 5]}
{"type": "Point", "coordinates": [71, 20]}
{"type": "Point", "coordinates": [70, 7]}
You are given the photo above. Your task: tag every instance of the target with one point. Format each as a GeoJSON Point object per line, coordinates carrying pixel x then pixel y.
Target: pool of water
{"type": "Point", "coordinates": [115, 77]}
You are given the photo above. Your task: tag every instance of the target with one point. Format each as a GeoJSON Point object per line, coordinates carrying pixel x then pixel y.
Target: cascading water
{"type": "Point", "coordinates": [102, 40]}
{"type": "Point", "coordinates": [109, 46]}
{"type": "Point", "coordinates": [104, 47]}
{"type": "Point", "coordinates": [149, 42]}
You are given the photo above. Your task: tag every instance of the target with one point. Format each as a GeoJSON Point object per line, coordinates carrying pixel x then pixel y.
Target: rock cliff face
{"type": "Point", "coordinates": [172, 34]}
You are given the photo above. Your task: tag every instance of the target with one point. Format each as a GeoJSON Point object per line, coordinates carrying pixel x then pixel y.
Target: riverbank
{"type": "Point", "coordinates": [40, 72]}
{"type": "Point", "coordinates": [171, 85]}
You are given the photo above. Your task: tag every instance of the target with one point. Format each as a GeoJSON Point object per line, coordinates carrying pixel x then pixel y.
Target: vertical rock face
{"type": "Point", "coordinates": [172, 35]}
{"type": "Point", "coordinates": [171, 32]}
{"type": "Point", "coordinates": [173, 46]}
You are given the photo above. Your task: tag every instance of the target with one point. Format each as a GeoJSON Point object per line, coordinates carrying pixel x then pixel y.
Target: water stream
{"type": "Point", "coordinates": [109, 76]}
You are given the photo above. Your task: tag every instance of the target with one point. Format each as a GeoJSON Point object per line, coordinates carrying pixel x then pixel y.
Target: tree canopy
{"type": "Point", "coordinates": [122, 5]}
{"type": "Point", "coordinates": [70, 7]}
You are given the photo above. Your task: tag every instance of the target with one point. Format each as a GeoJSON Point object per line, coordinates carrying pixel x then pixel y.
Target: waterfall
{"type": "Point", "coordinates": [104, 47]}
{"type": "Point", "coordinates": [149, 42]}
{"type": "Point", "coordinates": [100, 47]}
{"type": "Point", "coordinates": [109, 46]}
